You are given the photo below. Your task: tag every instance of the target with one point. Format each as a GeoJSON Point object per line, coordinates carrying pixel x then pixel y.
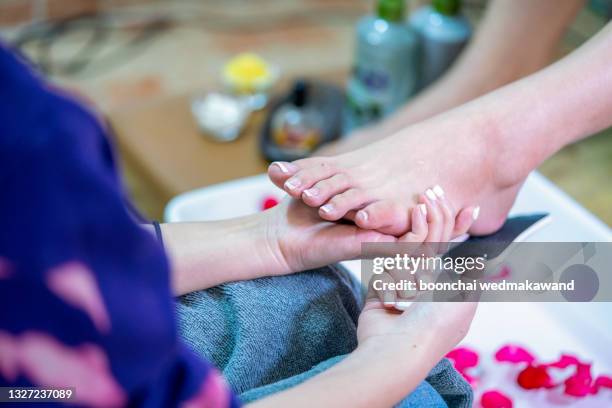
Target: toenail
{"type": "Point", "coordinates": [362, 215]}
{"type": "Point", "coordinates": [438, 190]}
{"type": "Point", "coordinates": [282, 166]}
{"type": "Point", "coordinates": [423, 208]}
{"type": "Point", "coordinates": [327, 208]}
{"type": "Point", "coordinates": [311, 192]}
{"type": "Point", "coordinates": [292, 183]}
{"type": "Point", "coordinates": [476, 213]}
{"type": "Point", "coordinates": [430, 194]}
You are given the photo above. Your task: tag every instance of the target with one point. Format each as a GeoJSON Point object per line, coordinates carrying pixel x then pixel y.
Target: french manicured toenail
{"type": "Point", "coordinates": [476, 213]}
{"type": "Point", "coordinates": [423, 208]}
{"type": "Point", "coordinates": [438, 190]}
{"type": "Point", "coordinates": [430, 194]}
{"type": "Point", "coordinates": [327, 208]}
{"type": "Point", "coordinates": [292, 183]}
{"type": "Point", "coordinates": [362, 215]}
{"type": "Point", "coordinates": [311, 192]}
{"type": "Point", "coordinates": [281, 166]}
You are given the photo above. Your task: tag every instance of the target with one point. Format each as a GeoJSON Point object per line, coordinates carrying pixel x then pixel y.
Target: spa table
{"type": "Point", "coordinates": [548, 329]}
{"type": "Point", "coordinates": [165, 153]}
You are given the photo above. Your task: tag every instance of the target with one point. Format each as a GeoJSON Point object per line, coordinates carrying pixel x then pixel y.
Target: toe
{"type": "Point", "coordinates": [323, 190]}
{"type": "Point", "coordinates": [384, 216]}
{"type": "Point", "coordinates": [279, 172]}
{"type": "Point", "coordinates": [306, 177]}
{"type": "Point", "coordinates": [341, 204]}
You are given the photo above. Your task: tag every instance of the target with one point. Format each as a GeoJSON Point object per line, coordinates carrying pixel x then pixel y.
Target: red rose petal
{"type": "Point", "coordinates": [603, 381]}
{"type": "Point", "coordinates": [579, 384]}
{"type": "Point", "coordinates": [514, 354]}
{"type": "Point", "coordinates": [533, 377]}
{"type": "Point", "coordinates": [268, 202]}
{"type": "Point", "coordinates": [504, 272]}
{"type": "Point", "coordinates": [463, 358]}
{"type": "Point", "coordinates": [495, 399]}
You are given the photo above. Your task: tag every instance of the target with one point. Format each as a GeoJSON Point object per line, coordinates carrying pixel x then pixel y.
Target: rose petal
{"type": "Point", "coordinates": [565, 361]}
{"type": "Point", "coordinates": [463, 357]}
{"type": "Point", "coordinates": [603, 381]}
{"type": "Point", "coordinates": [495, 399]}
{"type": "Point", "coordinates": [268, 202]}
{"type": "Point", "coordinates": [533, 377]}
{"type": "Point", "coordinates": [514, 354]}
{"type": "Point", "coordinates": [577, 386]}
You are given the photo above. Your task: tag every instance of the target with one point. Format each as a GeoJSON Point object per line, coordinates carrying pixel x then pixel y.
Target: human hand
{"type": "Point", "coordinates": [434, 224]}
{"type": "Point", "coordinates": [302, 240]}
{"type": "Point", "coordinates": [437, 326]}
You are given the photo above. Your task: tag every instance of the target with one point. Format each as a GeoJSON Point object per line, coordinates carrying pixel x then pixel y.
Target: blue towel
{"type": "Point", "coordinates": [269, 334]}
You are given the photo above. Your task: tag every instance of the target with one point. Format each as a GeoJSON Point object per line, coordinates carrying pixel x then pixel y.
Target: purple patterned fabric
{"type": "Point", "coordinates": [85, 298]}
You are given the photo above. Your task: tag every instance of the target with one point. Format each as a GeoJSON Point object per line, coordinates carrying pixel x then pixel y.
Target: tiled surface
{"type": "Point", "coordinates": [302, 37]}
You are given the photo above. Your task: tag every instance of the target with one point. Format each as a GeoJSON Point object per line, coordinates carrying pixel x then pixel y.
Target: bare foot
{"type": "Point", "coordinates": [375, 185]}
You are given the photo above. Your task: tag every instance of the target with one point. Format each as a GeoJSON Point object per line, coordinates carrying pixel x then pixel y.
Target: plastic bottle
{"type": "Point", "coordinates": [443, 32]}
{"type": "Point", "coordinates": [384, 73]}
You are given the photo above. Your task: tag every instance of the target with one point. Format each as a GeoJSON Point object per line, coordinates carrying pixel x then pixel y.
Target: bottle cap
{"type": "Point", "coordinates": [447, 7]}
{"type": "Point", "coordinates": [391, 10]}
{"type": "Point", "coordinates": [299, 94]}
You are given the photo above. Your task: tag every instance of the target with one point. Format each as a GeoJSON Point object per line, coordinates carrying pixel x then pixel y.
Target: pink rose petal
{"type": "Point", "coordinates": [463, 358]}
{"type": "Point", "coordinates": [579, 384]}
{"type": "Point", "coordinates": [603, 381]}
{"type": "Point", "coordinates": [514, 354]}
{"type": "Point", "coordinates": [565, 361]}
{"type": "Point", "coordinates": [495, 399]}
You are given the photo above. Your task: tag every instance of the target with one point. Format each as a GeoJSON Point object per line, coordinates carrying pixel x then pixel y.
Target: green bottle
{"type": "Point", "coordinates": [443, 32]}
{"type": "Point", "coordinates": [384, 74]}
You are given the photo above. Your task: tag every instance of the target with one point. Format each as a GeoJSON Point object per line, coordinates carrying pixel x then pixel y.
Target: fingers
{"type": "Point", "coordinates": [386, 297]}
{"type": "Point", "coordinates": [448, 213]}
{"type": "Point", "coordinates": [420, 228]}
{"type": "Point", "coordinates": [389, 298]}
{"type": "Point", "coordinates": [435, 216]}
{"type": "Point", "coordinates": [464, 220]}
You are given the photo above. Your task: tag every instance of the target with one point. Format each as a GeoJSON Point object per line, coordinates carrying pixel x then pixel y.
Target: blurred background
{"type": "Point", "coordinates": [149, 65]}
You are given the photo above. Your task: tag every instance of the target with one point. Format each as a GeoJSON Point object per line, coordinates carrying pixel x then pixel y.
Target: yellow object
{"type": "Point", "coordinates": [247, 73]}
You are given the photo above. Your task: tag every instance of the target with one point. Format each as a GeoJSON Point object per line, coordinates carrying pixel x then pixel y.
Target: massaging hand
{"type": "Point", "coordinates": [288, 238]}
{"type": "Point", "coordinates": [433, 226]}
{"type": "Point", "coordinates": [438, 326]}
{"type": "Point", "coordinates": [305, 241]}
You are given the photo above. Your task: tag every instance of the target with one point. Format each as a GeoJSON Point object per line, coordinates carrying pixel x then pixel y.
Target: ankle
{"type": "Point", "coordinates": [497, 153]}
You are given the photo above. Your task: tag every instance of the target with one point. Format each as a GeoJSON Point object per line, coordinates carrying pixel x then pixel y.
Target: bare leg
{"type": "Point", "coordinates": [511, 42]}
